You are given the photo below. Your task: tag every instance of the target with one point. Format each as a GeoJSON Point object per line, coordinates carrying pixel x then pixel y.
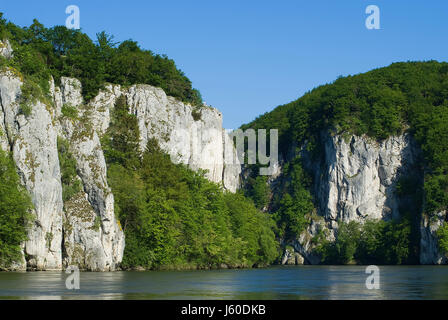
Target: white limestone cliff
{"type": "Point", "coordinates": [355, 180]}
{"type": "Point", "coordinates": [200, 143]}
{"type": "Point", "coordinates": [33, 142]}
{"type": "Point", "coordinates": [358, 176]}
{"type": "Point", "coordinates": [84, 231]}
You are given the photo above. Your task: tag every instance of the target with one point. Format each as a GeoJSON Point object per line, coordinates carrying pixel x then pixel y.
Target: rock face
{"type": "Point", "coordinates": [5, 49]}
{"type": "Point", "coordinates": [83, 230]}
{"type": "Point", "coordinates": [191, 136]}
{"type": "Point", "coordinates": [429, 252]}
{"type": "Point", "coordinates": [33, 142]}
{"type": "Point", "coordinates": [355, 180]}
{"type": "Point", "coordinates": [93, 238]}
{"type": "Point", "coordinates": [290, 257]}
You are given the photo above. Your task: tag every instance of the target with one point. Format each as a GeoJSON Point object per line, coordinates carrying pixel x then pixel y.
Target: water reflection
{"type": "Point", "coordinates": [301, 282]}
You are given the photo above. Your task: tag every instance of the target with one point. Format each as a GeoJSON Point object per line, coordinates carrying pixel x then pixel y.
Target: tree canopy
{"type": "Point", "coordinates": [58, 51]}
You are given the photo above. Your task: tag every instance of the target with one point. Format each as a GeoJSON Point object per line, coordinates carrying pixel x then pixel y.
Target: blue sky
{"type": "Point", "coordinates": [247, 57]}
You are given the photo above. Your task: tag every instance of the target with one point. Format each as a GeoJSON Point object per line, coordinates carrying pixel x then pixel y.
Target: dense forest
{"type": "Point", "coordinates": [410, 97]}
{"type": "Point", "coordinates": [41, 52]}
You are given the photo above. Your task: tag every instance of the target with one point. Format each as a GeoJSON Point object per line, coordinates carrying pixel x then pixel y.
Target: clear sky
{"type": "Point", "coordinates": [247, 57]}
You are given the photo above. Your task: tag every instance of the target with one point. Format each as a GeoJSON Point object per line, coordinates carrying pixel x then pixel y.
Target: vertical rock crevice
{"type": "Point", "coordinates": [356, 179]}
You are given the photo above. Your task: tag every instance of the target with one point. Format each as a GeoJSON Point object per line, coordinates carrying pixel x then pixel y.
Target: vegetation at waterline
{"type": "Point", "coordinates": [374, 242]}
{"type": "Point", "coordinates": [15, 216]}
{"type": "Point", "coordinates": [442, 235]}
{"type": "Point", "coordinates": [174, 217]}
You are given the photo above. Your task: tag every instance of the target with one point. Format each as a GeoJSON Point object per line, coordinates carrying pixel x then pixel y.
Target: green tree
{"type": "Point", "coordinates": [442, 236]}
{"type": "Point", "coordinates": [260, 192]}
{"type": "Point", "coordinates": [121, 141]}
{"type": "Point", "coordinates": [15, 208]}
{"type": "Point", "coordinates": [296, 202]}
{"type": "Point", "coordinates": [71, 184]}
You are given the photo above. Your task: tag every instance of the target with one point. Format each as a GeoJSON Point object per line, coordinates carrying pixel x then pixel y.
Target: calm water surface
{"type": "Point", "coordinates": [295, 282]}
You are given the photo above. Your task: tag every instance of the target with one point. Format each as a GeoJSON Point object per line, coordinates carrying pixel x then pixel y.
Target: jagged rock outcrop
{"type": "Point", "coordinates": [193, 136]}
{"type": "Point", "coordinates": [6, 49]}
{"type": "Point", "coordinates": [355, 179]}
{"type": "Point", "coordinates": [429, 248]}
{"type": "Point", "coordinates": [93, 238]}
{"type": "Point", "coordinates": [33, 142]}
{"type": "Point", "coordinates": [84, 231]}
{"type": "Point", "coordinates": [290, 257]}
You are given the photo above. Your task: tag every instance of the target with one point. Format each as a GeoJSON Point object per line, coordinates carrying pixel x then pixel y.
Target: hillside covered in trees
{"type": "Point", "coordinates": [407, 97]}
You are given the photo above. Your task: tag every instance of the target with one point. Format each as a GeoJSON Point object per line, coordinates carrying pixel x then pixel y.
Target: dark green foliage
{"type": "Point", "coordinates": [70, 183]}
{"type": "Point", "coordinates": [407, 185]}
{"type": "Point", "coordinates": [409, 96]}
{"type": "Point", "coordinates": [3, 31]}
{"type": "Point", "coordinates": [442, 236]}
{"type": "Point", "coordinates": [196, 113]}
{"type": "Point", "coordinates": [15, 206]}
{"type": "Point", "coordinates": [30, 92]}
{"type": "Point", "coordinates": [375, 242]}
{"type": "Point", "coordinates": [173, 217]}
{"type": "Point", "coordinates": [393, 246]}
{"type": "Point", "coordinates": [343, 250]}
{"type": "Point", "coordinates": [69, 111]}
{"type": "Point", "coordinates": [40, 52]}
{"type": "Point", "coordinates": [123, 136]}
{"type": "Point", "coordinates": [294, 202]}
{"type": "Point", "coordinates": [259, 191]}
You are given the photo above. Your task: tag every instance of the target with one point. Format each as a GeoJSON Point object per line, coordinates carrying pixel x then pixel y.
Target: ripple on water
{"type": "Point", "coordinates": [295, 282]}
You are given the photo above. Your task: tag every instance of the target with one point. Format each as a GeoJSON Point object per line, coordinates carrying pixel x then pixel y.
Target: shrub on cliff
{"type": "Point", "coordinates": [442, 236]}
{"type": "Point", "coordinates": [15, 207]}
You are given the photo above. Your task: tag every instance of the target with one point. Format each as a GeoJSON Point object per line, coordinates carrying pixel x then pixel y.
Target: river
{"type": "Point", "coordinates": [280, 282]}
